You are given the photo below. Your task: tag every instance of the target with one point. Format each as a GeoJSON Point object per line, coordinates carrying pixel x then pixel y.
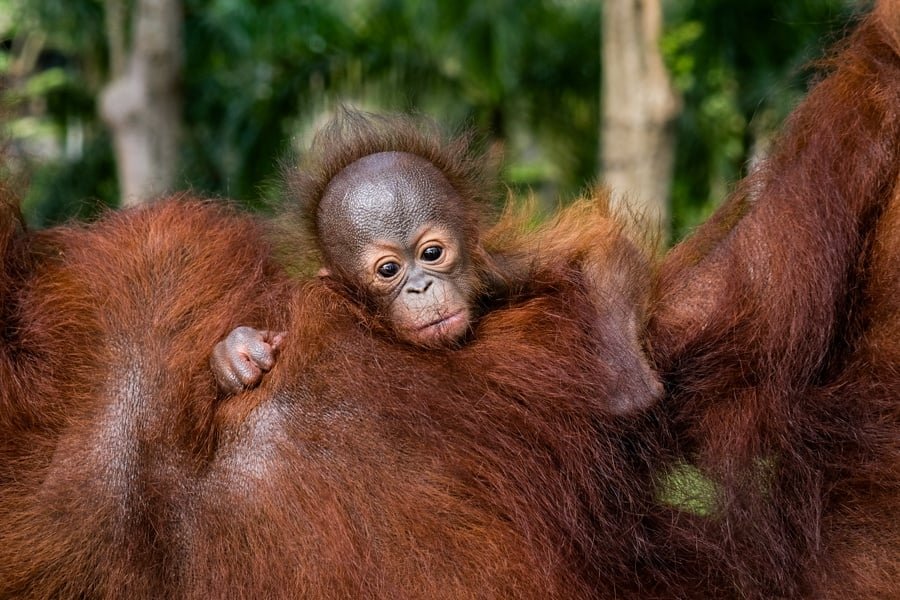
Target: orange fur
{"type": "Point", "coordinates": [362, 467]}
{"type": "Point", "coordinates": [771, 328]}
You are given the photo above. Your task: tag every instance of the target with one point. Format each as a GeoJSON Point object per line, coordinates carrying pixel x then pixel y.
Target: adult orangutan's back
{"type": "Point", "coordinates": [360, 467]}
{"type": "Point", "coordinates": [108, 400]}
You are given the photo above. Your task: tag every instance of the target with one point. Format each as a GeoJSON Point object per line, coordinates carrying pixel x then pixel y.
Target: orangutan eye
{"type": "Point", "coordinates": [388, 270]}
{"type": "Point", "coordinates": [432, 253]}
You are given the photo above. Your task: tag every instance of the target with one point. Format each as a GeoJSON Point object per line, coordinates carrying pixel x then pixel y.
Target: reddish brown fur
{"type": "Point", "coordinates": [364, 468]}
{"type": "Point", "coordinates": [458, 473]}
{"type": "Point", "coordinates": [778, 338]}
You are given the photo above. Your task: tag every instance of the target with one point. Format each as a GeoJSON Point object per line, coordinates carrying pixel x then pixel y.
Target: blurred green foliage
{"type": "Point", "coordinates": [741, 68]}
{"type": "Point", "coordinates": [260, 75]}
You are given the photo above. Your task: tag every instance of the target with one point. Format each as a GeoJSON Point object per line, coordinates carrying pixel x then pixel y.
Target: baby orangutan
{"type": "Point", "coordinates": [392, 228]}
{"type": "Point", "coordinates": [395, 216]}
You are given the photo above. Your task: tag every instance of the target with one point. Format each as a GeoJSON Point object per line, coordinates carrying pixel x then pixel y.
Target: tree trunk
{"type": "Point", "coordinates": [639, 108]}
{"type": "Point", "coordinates": [142, 104]}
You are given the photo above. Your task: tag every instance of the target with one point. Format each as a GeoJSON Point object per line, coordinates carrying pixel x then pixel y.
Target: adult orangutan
{"type": "Point", "coordinates": [464, 471]}
{"type": "Point", "coordinates": [364, 467]}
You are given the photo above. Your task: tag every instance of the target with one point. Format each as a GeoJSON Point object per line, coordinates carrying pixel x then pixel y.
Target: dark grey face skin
{"type": "Point", "coordinates": [393, 224]}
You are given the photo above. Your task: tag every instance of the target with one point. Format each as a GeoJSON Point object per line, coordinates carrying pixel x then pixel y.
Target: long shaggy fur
{"type": "Point", "coordinates": [360, 468]}
{"type": "Point", "coordinates": [770, 329]}
{"type": "Point", "coordinates": [366, 468]}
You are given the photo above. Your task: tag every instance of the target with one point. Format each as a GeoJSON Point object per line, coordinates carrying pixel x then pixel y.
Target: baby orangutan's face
{"type": "Point", "coordinates": [392, 224]}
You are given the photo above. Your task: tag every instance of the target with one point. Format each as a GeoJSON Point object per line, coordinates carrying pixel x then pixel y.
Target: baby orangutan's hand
{"type": "Point", "coordinates": [239, 361]}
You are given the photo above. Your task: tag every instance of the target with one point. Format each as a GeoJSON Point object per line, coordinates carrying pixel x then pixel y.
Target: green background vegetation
{"type": "Point", "coordinates": [260, 75]}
